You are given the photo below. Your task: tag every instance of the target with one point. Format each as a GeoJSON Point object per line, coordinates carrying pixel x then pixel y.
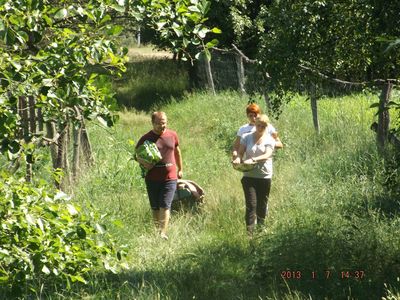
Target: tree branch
{"type": "Point", "coordinates": [362, 83]}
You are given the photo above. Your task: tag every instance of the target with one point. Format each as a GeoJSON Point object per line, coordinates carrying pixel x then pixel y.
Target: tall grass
{"type": "Point", "coordinates": [150, 81]}
{"type": "Point", "coordinates": [324, 209]}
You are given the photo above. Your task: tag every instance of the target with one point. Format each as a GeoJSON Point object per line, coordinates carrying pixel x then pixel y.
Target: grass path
{"type": "Point", "coordinates": [318, 183]}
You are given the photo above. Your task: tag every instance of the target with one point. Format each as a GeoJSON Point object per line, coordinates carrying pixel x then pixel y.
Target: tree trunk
{"type": "Point", "coordinates": [383, 116]}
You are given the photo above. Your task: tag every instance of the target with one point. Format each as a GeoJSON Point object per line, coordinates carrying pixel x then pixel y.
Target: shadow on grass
{"type": "Point", "coordinates": [150, 83]}
{"type": "Point", "coordinates": [389, 202]}
{"type": "Point", "coordinates": [219, 272]}
{"type": "Point", "coordinates": [321, 259]}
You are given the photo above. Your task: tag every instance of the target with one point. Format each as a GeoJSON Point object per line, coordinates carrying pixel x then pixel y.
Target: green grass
{"type": "Point", "coordinates": [150, 81]}
{"type": "Point", "coordinates": [326, 211]}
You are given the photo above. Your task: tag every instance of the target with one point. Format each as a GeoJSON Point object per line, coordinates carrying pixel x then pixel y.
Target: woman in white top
{"type": "Point", "coordinates": [252, 112]}
{"type": "Point", "coordinates": [256, 148]}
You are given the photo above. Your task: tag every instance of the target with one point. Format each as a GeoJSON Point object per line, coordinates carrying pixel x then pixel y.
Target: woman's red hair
{"type": "Point", "coordinates": [253, 108]}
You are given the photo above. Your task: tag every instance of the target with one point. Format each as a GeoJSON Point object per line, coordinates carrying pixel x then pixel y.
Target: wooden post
{"type": "Point", "coordinates": [61, 142]}
{"type": "Point", "coordinates": [66, 167]}
{"type": "Point", "coordinates": [40, 119]}
{"type": "Point", "coordinates": [23, 109]}
{"type": "Point", "coordinates": [86, 145]}
{"type": "Point", "coordinates": [138, 38]}
{"type": "Point", "coordinates": [383, 116]}
{"type": "Point", "coordinates": [210, 80]}
{"type": "Point", "coordinates": [77, 131]}
{"type": "Point", "coordinates": [314, 108]}
{"type": "Point", "coordinates": [32, 114]}
{"type": "Point", "coordinates": [50, 134]}
{"type": "Point", "coordinates": [267, 101]}
{"type": "Point", "coordinates": [240, 73]}
{"type": "Point", "coordinates": [23, 112]}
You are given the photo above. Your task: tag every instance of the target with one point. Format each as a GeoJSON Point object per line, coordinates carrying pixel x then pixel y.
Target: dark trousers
{"type": "Point", "coordinates": [161, 194]}
{"type": "Point", "coordinates": [256, 193]}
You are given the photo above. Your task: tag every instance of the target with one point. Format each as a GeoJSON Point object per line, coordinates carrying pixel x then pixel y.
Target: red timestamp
{"type": "Point", "coordinates": [358, 274]}
{"type": "Point", "coordinates": [291, 274]}
{"type": "Point", "coordinates": [327, 274]}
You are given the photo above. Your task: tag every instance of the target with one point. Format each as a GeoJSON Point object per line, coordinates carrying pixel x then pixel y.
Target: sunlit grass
{"type": "Point", "coordinates": [324, 212]}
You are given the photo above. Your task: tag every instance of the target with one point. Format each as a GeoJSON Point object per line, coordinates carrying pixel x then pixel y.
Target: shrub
{"type": "Point", "coordinates": [47, 239]}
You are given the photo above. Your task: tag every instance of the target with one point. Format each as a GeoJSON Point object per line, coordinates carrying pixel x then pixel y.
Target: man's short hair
{"type": "Point", "coordinates": [157, 114]}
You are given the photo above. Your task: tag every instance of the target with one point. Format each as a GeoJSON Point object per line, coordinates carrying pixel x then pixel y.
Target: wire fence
{"type": "Point", "coordinates": [230, 69]}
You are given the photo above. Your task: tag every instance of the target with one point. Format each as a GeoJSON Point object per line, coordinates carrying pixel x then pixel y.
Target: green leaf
{"type": "Point", "coordinates": [45, 270]}
{"type": "Point", "coordinates": [119, 8]}
{"type": "Point", "coordinates": [194, 8]}
{"type": "Point", "coordinates": [102, 121]}
{"type": "Point", "coordinates": [61, 14]}
{"type": "Point", "coordinates": [8, 36]}
{"type": "Point", "coordinates": [160, 25]}
{"type": "Point", "coordinates": [216, 30]}
{"type": "Point", "coordinates": [81, 232]}
{"type": "Point", "coordinates": [202, 32]}
{"type": "Point", "coordinates": [212, 43]}
{"type": "Point", "coordinates": [373, 105]}
{"type": "Point", "coordinates": [72, 210]}
{"type": "Point", "coordinates": [76, 278]}
{"type": "Point", "coordinates": [115, 30]}
{"type": "Point", "coordinates": [48, 20]}
{"type": "Point", "coordinates": [99, 228]}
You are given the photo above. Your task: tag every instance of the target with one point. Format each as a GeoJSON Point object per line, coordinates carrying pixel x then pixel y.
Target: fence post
{"type": "Point", "coordinates": [314, 108]}
{"type": "Point", "coordinates": [210, 80]}
{"type": "Point", "coordinates": [240, 72]}
{"type": "Point", "coordinates": [138, 41]}
{"type": "Point", "coordinates": [383, 116]}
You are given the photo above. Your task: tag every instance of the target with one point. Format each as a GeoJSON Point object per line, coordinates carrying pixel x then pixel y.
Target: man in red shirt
{"type": "Point", "coordinates": [161, 178]}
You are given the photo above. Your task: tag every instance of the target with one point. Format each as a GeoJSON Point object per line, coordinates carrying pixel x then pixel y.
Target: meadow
{"type": "Point", "coordinates": [333, 230]}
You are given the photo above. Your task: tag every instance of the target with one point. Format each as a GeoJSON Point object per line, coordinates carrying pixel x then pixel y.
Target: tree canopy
{"type": "Point", "coordinates": [346, 40]}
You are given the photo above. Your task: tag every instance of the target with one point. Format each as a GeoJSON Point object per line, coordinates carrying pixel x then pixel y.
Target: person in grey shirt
{"type": "Point", "coordinates": [256, 148]}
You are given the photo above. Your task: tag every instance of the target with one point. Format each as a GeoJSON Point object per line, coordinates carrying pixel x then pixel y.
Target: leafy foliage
{"type": "Point", "coordinates": [340, 39]}
{"type": "Point", "coordinates": [45, 52]}
{"type": "Point", "coordinates": [46, 238]}
{"type": "Point", "coordinates": [239, 22]}
{"type": "Point", "coordinates": [179, 25]}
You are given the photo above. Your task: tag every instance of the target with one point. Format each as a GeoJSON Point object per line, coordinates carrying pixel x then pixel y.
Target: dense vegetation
{"type": "Point", "coordinates": [333, 228]}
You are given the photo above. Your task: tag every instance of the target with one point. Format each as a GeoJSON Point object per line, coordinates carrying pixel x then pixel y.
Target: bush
{"type": "Point", "coordinates": [46, 239]}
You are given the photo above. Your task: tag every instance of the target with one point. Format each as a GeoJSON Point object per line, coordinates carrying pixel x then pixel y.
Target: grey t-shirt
{"type": "Point", "coordinates": [263, 169]}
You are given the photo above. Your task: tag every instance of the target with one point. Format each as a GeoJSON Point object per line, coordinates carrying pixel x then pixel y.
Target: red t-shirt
{"type": "Point", "coordinates": [166, 143]}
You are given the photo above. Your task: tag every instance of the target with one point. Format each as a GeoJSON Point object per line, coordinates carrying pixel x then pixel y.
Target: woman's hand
{"type": "Point", "coordinates": [236, 161]}
{"type": "Point", "coordinates": [249, 161]}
